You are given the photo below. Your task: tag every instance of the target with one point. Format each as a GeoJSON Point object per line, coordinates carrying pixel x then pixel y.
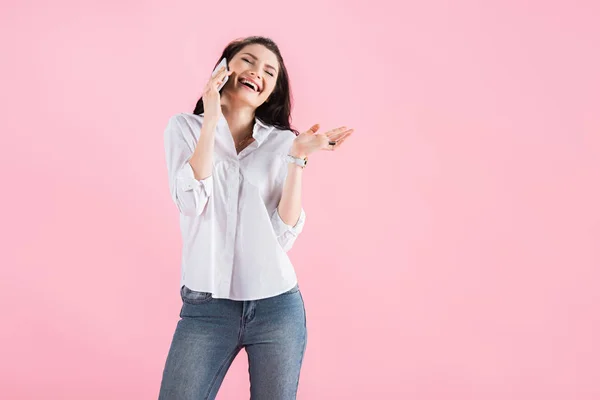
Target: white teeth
{"type": "Point", "coordinates": [243, 80]}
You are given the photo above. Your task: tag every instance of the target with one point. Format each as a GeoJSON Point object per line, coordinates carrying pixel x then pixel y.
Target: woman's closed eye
{"type": "Point", "coordinates": [250, 62]}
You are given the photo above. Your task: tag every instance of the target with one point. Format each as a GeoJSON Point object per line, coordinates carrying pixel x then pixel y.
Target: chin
{"type": "Point", "coordinates": [245, 100]}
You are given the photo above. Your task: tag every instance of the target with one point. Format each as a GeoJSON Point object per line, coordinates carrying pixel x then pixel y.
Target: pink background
{"type": "Point", "coordinates": [452, 245]}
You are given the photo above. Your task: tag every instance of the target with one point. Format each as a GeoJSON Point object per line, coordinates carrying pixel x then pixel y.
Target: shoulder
{"type": "Point", "coordinates": [282, 139]}
{"type": "Point", "coordinates": [184, 119]}
{"type": "Point", "coordinates": [183, 125]}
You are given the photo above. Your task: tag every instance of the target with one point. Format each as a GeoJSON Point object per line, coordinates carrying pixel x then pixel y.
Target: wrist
{"type": "Point", "coordinates": [296, 152]}
{"type": "Point", "coordinates": [209, 126]}
{"type": "Point", "coordinates": [211, 118]}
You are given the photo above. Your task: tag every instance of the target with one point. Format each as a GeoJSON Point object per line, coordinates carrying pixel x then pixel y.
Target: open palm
{"type": "Point", "coordinates": [309, 141]}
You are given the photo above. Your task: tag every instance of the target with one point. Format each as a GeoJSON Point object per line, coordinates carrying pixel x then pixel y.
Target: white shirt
{"type": "Point", "coordinates": [234, 241]}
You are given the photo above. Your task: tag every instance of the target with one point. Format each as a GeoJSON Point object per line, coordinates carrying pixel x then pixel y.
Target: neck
{"type": "Point", "coordinates": [240, 118]}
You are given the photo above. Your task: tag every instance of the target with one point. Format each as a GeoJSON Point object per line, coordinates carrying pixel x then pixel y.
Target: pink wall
{"type": "Point", "coordinates": [451, 248]}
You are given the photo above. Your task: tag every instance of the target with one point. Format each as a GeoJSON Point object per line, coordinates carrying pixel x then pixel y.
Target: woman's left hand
{"type": "Point", "coordinates": [309, 141]}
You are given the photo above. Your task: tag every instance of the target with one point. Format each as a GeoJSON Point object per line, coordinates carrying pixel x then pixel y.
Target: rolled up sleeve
{"type": "Point", "coordinates": [287, 234]}
{"type": "Point", "coordinates": [188, 193]}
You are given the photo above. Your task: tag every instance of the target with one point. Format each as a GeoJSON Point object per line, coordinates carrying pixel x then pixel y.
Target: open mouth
{"type": "Point", "coordinates": [250, 84]}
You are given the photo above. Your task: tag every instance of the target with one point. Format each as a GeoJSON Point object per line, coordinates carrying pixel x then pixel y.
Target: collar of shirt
{"type": "Point", "coordinates": [260, 131]}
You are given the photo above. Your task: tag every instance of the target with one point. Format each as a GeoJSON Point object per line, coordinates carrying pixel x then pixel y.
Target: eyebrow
{"type": "Point", "coordinates": [256, 58]}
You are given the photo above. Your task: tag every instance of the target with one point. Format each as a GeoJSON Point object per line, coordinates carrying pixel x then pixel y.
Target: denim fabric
{"type": "Point", "coordinates": [211, 332]}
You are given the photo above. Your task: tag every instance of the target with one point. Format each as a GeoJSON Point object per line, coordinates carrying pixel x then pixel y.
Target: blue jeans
{"type": "Point", "coordinates": [211, 332]}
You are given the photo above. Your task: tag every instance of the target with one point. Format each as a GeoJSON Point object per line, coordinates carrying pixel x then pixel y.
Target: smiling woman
{"type": "Point", "coordinates": [258, 54]}
{"type": "Point", "coordinates": [235, 169]}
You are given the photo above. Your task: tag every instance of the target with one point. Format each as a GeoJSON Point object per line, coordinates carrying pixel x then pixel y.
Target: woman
{"type": "Point", "coordinates": [235, 170]}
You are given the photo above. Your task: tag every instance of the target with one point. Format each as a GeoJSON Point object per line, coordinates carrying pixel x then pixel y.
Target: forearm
{"type": "Point", "coordinates": [290, 205]}
{"type": "Point", "coordinates": [201, 160]}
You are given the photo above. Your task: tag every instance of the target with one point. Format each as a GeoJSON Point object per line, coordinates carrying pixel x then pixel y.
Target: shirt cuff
{"type": "Point", "coordinates": [189, 182]}
{"type": "Point", "coordinates": [281, 227]}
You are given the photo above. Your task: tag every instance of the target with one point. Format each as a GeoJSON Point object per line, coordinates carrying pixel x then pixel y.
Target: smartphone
{"type": "Point", "coordinates": [218, 67]}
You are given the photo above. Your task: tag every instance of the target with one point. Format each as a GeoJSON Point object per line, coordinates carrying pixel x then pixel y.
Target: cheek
{"type": "Point", "coordinates": [270, 88]}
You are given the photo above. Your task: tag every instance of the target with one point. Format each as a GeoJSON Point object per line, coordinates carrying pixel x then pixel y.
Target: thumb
{"type": "Point", "coordinates": [313, 129]}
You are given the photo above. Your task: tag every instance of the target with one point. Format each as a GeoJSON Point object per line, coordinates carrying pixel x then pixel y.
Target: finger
{"type": "Point", "coordinates": [338, 134]}
{"type": "Point", "coordinates": [313, 129]}
{"type": "Point", "coordinates": [220, 70]}
{"type": "Point", "coordinates": [216, 74]}
{"type": "Point", "coordinates": [208, 88]}
{"type": "Point", "coordinates": [338, 143]}
{"type": "Point", "coordinates": [218, 79]}
{"type": "Point", "coordinates": [344, 135]}
{"type": "Point", "coordinates": [219, 76]}
{"type": "Point", "coordinates": [224, 73]}
{"type": "Point", "coordinates": [337, 131]}
{"type": "Point", "coordinates": [341, 141]}
{"type": "Point", "coordinates": [216, 83]}
{"type": "Point", "coordinates": [325, 143]}
{"type": "Point", "coordinates": [211, 87]}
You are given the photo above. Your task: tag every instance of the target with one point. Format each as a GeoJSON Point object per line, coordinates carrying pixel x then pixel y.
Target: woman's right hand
{"type": "Point", "coordinates": [211, 97]}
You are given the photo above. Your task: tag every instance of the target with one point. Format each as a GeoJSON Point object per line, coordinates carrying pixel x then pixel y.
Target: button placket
{"type": "Point", "coordinates": [233, 186]}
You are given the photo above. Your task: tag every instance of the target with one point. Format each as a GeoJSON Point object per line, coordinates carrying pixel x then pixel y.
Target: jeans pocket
{"type": "Point", "coordinates": [193, 296]}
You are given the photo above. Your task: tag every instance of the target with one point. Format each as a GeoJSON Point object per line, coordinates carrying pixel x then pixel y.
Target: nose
{"type": "Point", "coordinates": [254, 70]}
{"type": "Point", "coordinates": [255, 75]}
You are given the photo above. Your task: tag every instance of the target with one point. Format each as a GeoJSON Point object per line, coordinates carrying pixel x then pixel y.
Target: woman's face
{"type": "Point", "coordinates": [255, 69]}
